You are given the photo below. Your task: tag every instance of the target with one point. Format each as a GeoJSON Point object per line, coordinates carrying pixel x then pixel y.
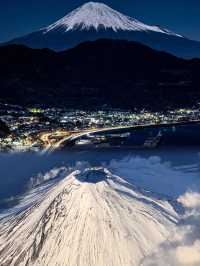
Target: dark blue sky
{"type": "Point", "coordinates": [18, 17]}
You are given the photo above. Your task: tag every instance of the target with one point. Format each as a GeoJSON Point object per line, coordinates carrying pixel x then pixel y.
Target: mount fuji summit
{"type": "Point", "coordinates": [90, 217]}
{"type": "Point", "coordinates": [94, 21]}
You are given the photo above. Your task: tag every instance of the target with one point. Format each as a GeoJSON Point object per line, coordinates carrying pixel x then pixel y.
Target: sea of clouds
{"type": "Point", "coordinates": [183, 246]}
{"type": "Point", "coordinates": [180, 183]}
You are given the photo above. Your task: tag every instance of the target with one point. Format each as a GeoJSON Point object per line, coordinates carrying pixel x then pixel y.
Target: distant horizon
{"type": "Point", "coordinates": [20, 18]}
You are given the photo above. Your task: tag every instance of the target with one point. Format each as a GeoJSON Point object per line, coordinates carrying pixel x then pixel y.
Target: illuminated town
{"type": "Point", "coordinates": [38, 128]}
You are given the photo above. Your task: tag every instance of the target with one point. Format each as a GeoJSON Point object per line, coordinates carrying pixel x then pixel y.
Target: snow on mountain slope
{"type": "Point", "coordinates": [93, 21]}
{"type": "Point", "coordinates": [91, 217]}
{"type": "Point", "coordinates": [98, 15]}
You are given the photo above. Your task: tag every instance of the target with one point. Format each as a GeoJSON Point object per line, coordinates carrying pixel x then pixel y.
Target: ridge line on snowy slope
{"type": "Point", "coordinates": [98, 15]}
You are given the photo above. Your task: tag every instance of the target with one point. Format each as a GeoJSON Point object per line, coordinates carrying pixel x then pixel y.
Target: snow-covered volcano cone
{"type": "Point", "coordinates": [93, 21]}
{"type": "Point", "coordinates": [88, 218]}
{"type": "Point", "coordinates": [100, 16]}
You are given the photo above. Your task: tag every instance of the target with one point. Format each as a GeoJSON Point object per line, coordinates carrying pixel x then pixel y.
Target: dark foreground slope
{"type": "Point", "coordinates": [104, 72]}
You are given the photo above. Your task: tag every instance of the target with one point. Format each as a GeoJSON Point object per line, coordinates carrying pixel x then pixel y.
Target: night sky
{"type": "Point", "coordinates": [18, 17]}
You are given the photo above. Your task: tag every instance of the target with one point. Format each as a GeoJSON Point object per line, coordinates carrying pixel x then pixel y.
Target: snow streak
{"type": "Point", "coordinates": [91, 217]}
{"type": "Point", "coordinates": [100, 16]}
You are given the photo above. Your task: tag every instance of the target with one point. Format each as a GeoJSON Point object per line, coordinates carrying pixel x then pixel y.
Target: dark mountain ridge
{"type": "Point", "coordinates": [115, 73]}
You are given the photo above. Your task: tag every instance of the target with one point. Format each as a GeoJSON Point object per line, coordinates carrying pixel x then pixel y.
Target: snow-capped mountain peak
{"type": "Point", "coordinates": [78, 221]}
{"type": "Point", "coordinates": [93, 21]}
{"type": "Point", "coordinates": [100, 16]}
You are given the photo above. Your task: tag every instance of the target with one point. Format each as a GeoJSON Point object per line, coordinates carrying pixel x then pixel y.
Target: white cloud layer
{"type": "Point", "coordinates": [190, 200]}
{"type": "Point", "coordinates": [183, 247]}
{"type": "Point", "coordinates": [156, 175]}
